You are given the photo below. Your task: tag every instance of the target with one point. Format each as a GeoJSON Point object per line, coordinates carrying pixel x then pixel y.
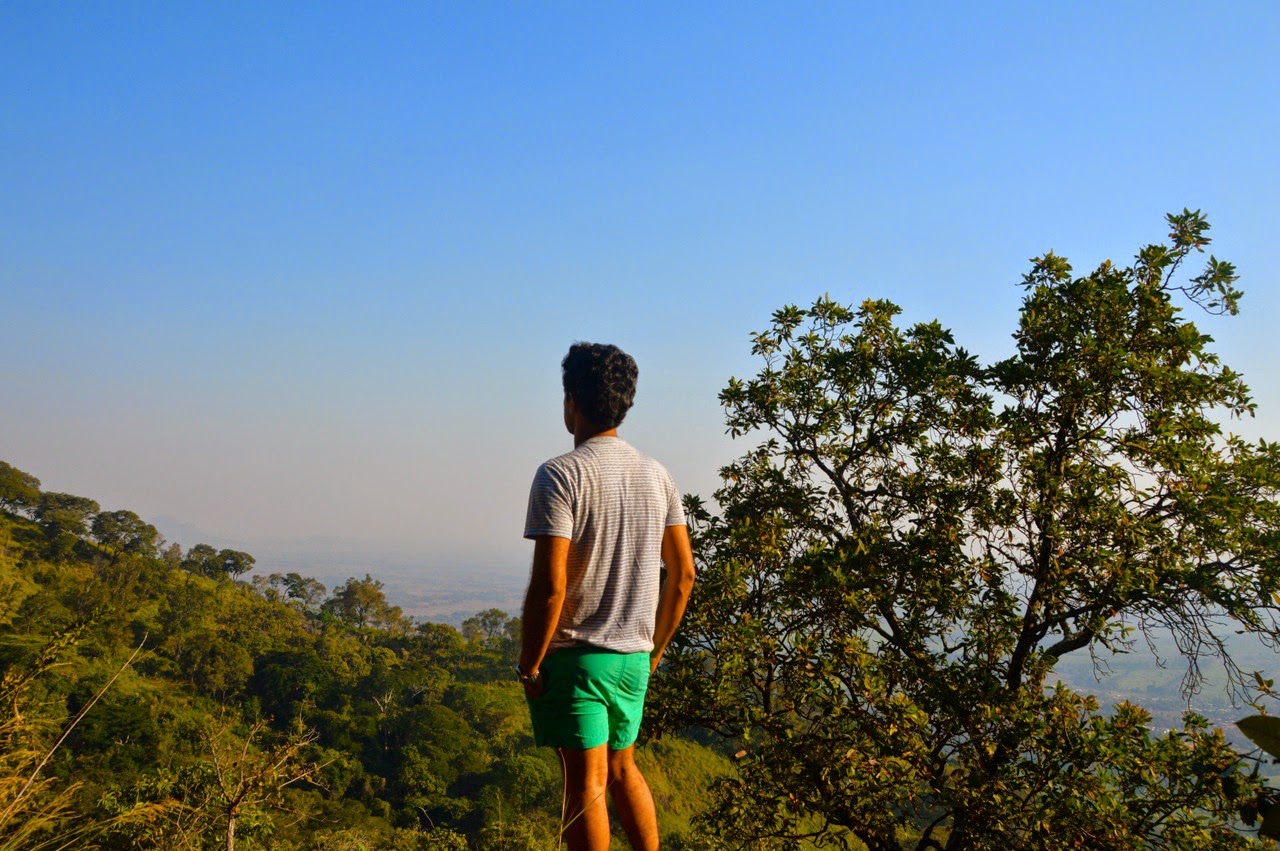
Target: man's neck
{"type": "Point", "coordinates": [582, 435]}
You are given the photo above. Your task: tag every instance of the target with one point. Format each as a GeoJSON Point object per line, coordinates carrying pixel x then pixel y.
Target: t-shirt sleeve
{"type": "Point", "coordinates": [550, 506]}
{"type": "Point", "coordinates": [675, 509]}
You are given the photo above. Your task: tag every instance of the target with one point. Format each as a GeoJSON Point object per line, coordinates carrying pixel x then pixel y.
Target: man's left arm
{"type": "Point", "coordinates": [542, 603]}
{"type": "Point", "coordinates": [677, 555]}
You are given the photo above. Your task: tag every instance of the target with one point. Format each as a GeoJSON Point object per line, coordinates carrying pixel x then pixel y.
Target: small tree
{"type": "Point", "coordinates": [247, 780]}
{"type": "Point", "coordinates": [920, 538]}
{"type": "Point", "coordinates": [485, 626]}
{"type": "Point", "coordinates": [208, 804]}
{"type": "Point", "coordinates": [305, 592]}
{"type": "Point", "coordinates": [201, 560]}
{"type": "Point", "coordinates": [19, 491]}
{"type": "Point", "coordinates": [233, 563]}
{"type": "Point", "coordinates": [361, 603]}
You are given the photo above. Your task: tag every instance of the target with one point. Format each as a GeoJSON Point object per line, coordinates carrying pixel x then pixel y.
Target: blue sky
{"type": "Point", "coordinates": [282, 272]}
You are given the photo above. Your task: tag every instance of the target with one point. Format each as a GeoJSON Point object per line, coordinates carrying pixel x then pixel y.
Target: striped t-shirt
{"type": "Point", "coordinates": [613, 504]}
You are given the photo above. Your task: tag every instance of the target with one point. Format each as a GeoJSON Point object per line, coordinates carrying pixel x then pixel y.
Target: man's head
{"type": "Point", "coordinates": [601, 381]}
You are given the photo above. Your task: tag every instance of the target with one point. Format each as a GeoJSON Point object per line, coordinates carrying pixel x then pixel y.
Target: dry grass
{"type": "Point", "coordinates": [35, 809]}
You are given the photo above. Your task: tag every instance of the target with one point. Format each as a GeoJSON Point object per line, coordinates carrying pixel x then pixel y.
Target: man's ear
{"type": "Point", "coordinates": [570, 413]}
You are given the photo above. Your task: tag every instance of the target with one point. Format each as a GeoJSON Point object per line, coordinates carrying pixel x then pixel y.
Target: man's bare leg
{"type": "Point", "coordinates": [632, 800]}
{"type": "Point", "coordinates": [586, 819]}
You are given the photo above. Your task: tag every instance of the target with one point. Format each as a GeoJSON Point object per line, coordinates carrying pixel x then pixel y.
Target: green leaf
{"type": "Point", "coordinates": [1263, 731]}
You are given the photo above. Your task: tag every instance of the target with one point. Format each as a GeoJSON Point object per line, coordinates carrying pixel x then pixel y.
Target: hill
{"type": "Point", "coordinates": [158, 701]}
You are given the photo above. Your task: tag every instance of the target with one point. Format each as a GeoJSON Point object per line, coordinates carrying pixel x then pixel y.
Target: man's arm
{"type": "Point", "coordinates": [542, 603]}
{"type": "Point", "coordinates": [678, 557]}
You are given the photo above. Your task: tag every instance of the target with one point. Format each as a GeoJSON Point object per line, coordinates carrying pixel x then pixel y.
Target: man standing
{"type": "Point", "coordinates": [604, 519]}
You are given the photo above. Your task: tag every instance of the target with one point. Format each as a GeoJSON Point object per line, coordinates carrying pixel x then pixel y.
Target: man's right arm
{"type": "Point", "coordinates": [542, 603]}
{"type": "Point", "coordinates": [677, 555]}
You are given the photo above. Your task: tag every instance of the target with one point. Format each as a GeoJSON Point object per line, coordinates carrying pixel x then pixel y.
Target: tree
{"type": "Point", "coordinates": [64, 513]}
{"type": "Point", "coordinates": [489, 626]}
{"type": "Point", "coordinates": [1263, 731]}
{"type": "Point", "coordinates": [306, 592]}
{"type": "Point", "coordinates": [247, 779]}
{"type": "Point", "coordinates": [65, 520]}
{"type": "Point", "coordinates": [171, 555]}
{"type": "Point", "coordinates": [269, 586]}
{"type": "Point", "coordinates": [208, 803]}
{"type": "Point", "coordinates": [201, 560]}
{"type": "Point", "coordinates": [19, 491]}
{"type": "Point", "coordinates": [438, 641]}
{"type": "Point", "coordinates": [919, 538]}
{"type": "Point", "coordinates": [361, 603]}
{"type": "Point", "coordinates": [233, 563]}
{"type": "Point", "coordinates": [126, 532]}
{"type": "Point", "coordinates": [204, 560]}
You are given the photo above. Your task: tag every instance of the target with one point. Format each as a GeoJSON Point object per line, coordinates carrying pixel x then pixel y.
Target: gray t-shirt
{"type": "Point", "coordinates": [613, 504]}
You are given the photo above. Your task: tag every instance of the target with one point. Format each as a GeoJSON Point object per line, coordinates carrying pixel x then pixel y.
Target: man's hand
{"type": "Point", "coordinates": [542, 603]}
{"type": "Point", "coordinates": [533, 688]}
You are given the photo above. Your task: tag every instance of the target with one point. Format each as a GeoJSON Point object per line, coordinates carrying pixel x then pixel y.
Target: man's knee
{"type": "Point", "coordinates": [622, 765]}
{"type": "Point", "coordinates": [585, 772]}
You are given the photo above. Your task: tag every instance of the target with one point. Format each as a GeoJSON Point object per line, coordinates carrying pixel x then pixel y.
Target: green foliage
{"type": "Point", "coordinates": [64, 518]}
{"type": "Point", "coordinates": [125, 532]}
{"type": "Point", "coordinates": [491, 625]}
{"type": "Point", "coordinates": [918, 538]}
{"type": "Point", "coordinates": [300, 591]}
{"type": "Point", "coordinates": [19, 491]}
{"type": "Point", "coordinates": [325, 722]}
{"type": "Point", "coordinates": [222, 800]}
{"type": "Point", "coordinates": [34, 811]}
{"type": "Point", "coordinates": [361, 603]}
{"type": "Point", "coordinates": [204, 560]}
{"type": "Point", "coordinates": [679, 772]}
{"type": "Point", "coordinates": [37, 812]}
{"type": "Point", "coordinates": [1263, 731]}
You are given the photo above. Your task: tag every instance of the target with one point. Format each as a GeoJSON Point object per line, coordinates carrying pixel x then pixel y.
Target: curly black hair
{"type": "Point", "coordinates": [601, 379]}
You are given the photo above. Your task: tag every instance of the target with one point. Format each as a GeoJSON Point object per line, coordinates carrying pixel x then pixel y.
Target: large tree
{"type": "Point", "coordinates": [65, 519]}
{"type": "Point", "coordinates": [65, 513]}
{"type": "Point", "coordinates": [918, 538]}
{"type": "Point", "coordinates": [361, 603]}
{"type": "Point", "coordinates": [126, 532]}
{"type": "Point", "coordinates": [204, 560]}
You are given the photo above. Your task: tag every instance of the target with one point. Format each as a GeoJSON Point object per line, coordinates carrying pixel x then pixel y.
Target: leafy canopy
{"type": "Point", "coordinates": [918, 538]}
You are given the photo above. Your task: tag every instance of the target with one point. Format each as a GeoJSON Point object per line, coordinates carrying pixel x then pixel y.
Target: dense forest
{"type": "Point", "coordinates": [156, 698]}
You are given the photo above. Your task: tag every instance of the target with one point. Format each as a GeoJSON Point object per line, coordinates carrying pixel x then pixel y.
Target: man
{"type": "Point", "coordinates": [597, 617]}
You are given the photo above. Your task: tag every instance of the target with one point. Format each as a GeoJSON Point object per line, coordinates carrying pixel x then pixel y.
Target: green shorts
{"type": "Point", "coordinates": [590, 697]}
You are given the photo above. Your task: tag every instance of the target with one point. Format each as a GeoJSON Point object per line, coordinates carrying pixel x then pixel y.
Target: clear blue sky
{"type": "Point", "coordinates": [287, 271]}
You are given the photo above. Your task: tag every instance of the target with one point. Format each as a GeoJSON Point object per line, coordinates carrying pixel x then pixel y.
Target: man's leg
{"type": "Point", "coordinates": [586, 819]}
{"type": "Point", "coordinates": [632, 800]}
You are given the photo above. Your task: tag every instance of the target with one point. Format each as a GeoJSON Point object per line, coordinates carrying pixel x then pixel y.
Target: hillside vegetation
{"type": "Point", "coordinates": [153, 699]}
{"type": "Point", "coordinates": [915, 550]}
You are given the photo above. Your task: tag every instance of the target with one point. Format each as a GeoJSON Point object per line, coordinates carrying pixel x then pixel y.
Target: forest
{"type": "Point", "coordinates": [155, 698]}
